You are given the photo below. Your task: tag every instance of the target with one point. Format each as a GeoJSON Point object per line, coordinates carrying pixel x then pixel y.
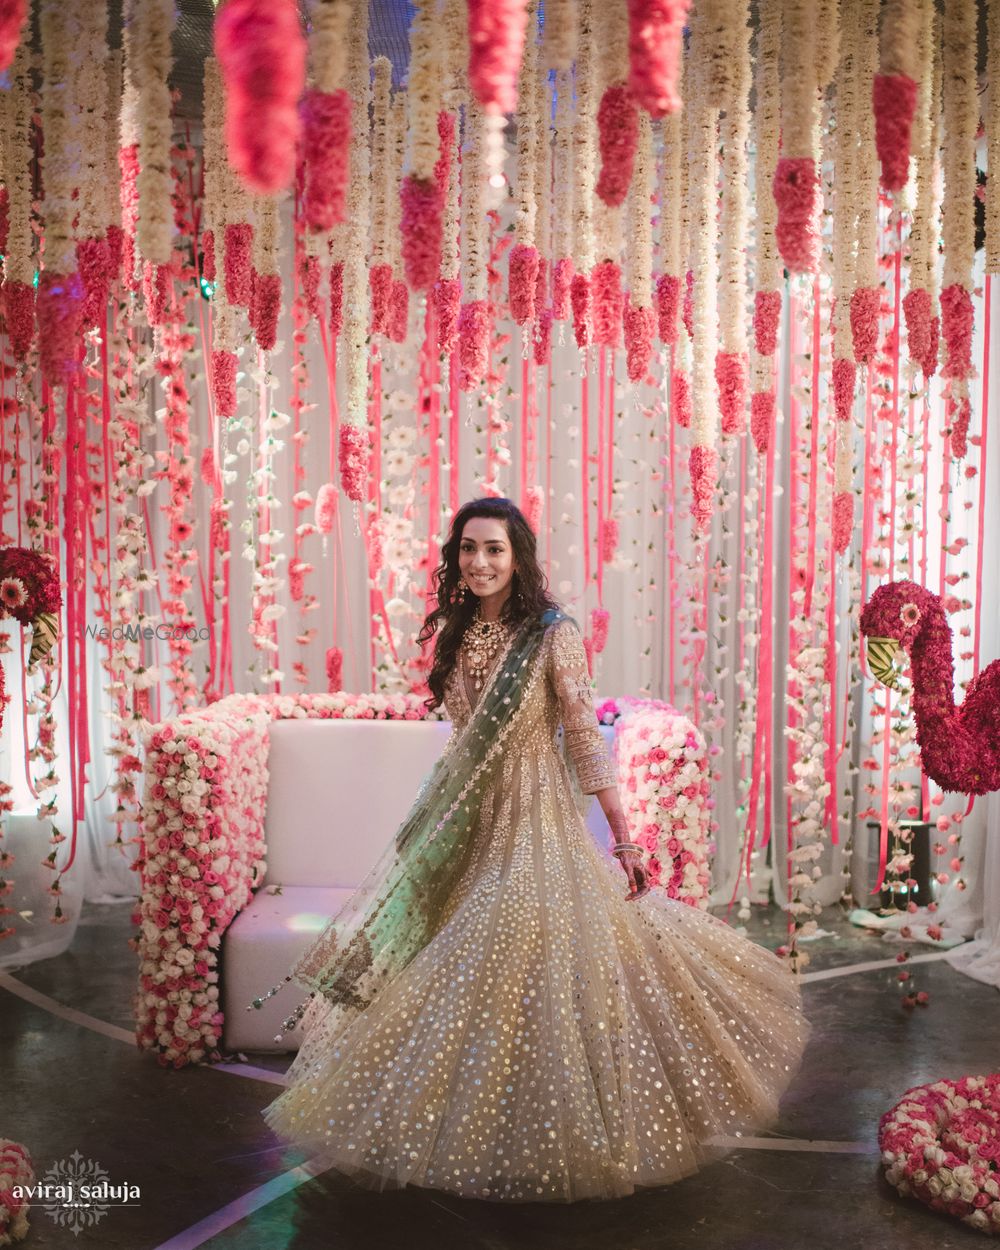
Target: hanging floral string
{"type": "Point", "coordinates": [668, 285]}
{"type": "Point", "coordinates": [448, 292]}
{"type": "Point", "coordinates": [992, 127]}
{"type": "Point", "coordinates": [767, 269]}
{"type": "Point", "coordinates": [474, 318]}
{"type": "Point", "coordinates": [422, 199]}
{"type": "Point", "coordinates": [383, 186]}
{"type": "Point", "coordinates": [796, 178]}
{"type": "Point", "coordinates": [496, 44]}
{"type": "Point", "coordinates": [12, 16]}
{"type": "Point", "coordinates": [563, 177]}
{"type": "Point", "coordinates": [149, 70]}
{"type": "Point", "coordinates": [93, 255]}
{"type": "Point", "coordinates": [262, 55]}
{"type": "Point", "coordinates": [960, 110]}
{"type": "Point", "coordinates": [326, 117]}
{"type": "Point", "coordinates": [922, 326]}
{"type": "Point", "coordinates": [866, 299]}
{"type": "Point", "coordinates": [731, 360]}
{"type": "Point", "coordinates": [18, 252]}
{"type": "Point", "coordinates": [583, 179]}
{"type": "Point", "coordinates": [524, 256]}
{"type": "Point", "coordinates": [894, 90]}
{"type": "Point", "coordinates": [638, 317]}
{"type": "Point", "coordinates": [655, 38]}
{"type": "Point", "coordinates": [617, 114]}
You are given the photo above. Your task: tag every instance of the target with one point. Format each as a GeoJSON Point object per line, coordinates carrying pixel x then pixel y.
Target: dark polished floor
{"type": "Point", "coordinates": [194, 1143]}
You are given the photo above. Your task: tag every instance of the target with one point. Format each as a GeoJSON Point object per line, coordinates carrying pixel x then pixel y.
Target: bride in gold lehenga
{"type": "Point", "coordinates": [492, 1014]}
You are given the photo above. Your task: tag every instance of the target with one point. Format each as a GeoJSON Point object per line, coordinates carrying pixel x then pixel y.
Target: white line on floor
{"type": "Point", "coordinates": [38, 999]}
{"type": "Point", "coordinates": [245, 1205]}
{"type": "Point", "coordinates": [794, 1143]}
{"type": "Point", "coordinates": [251, 1071]}
{"type": "Point", "coordinates": [827, 974]}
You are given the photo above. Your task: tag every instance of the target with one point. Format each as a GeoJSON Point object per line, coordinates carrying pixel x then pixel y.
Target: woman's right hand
{"type": "Point", "coordinates": [635, 870]}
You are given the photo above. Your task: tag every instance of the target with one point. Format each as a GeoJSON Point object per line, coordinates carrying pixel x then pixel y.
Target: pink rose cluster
{"type": "Point", "coordinates": [202, 852]}
{"type": "Point", "coordinates": [665, 788]}
{"type": "Point", "coordinates": [941, 1145]}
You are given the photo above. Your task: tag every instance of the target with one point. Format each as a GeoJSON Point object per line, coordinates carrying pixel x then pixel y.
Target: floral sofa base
{"type": "Point", "coordinates": [261, 815]}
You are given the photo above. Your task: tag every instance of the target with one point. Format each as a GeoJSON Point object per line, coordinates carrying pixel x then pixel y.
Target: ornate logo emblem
{"type": "Point", "coordinates": [77, 1193]}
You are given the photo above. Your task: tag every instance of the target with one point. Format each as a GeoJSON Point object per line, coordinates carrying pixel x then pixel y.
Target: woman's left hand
{"type": "Point", "coordinates": [637, 875]}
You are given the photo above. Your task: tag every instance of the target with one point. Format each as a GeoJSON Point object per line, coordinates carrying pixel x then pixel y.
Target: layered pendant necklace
{"type": "Point", "coordinates": [482, 641]}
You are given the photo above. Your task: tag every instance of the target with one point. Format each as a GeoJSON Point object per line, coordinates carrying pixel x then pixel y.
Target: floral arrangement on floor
{"type": "Point", "coordinates": [664, 782]}
{"type": "Point", "coordinates": [941, 1145]}
{"type": "Point", "coordinates": [29, 592]}
{"type": "Point", "coordinates": [15, 1170]}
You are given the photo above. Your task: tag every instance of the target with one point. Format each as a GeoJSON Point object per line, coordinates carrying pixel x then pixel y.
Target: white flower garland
{"type": "Point", "coordinates": [381, 165]}
{"type": "Point", "coordinates": [19, 261]}
{"type": "Point", "coordinates": [584, 150]}
{"type": "Point", "coordinates": [960, 110]}
{"type": "Point", "coordinates": [845, 227]}
{"type": "Point", "coordinates": [826, 46]}
{"type": "Point", "coordinates": [423, 93]}
{"type": "Point", "coordinates": [394, 180]}
{"type": "Point", "coordinates": [798, 80]}
{"type": "Point", "coordinates": [112, 207]}
{"type": "Point", "coordinates": [528, 123]}
{"type": "Point", "coordinates": [702, 202]}
{"type": "Point", "coordinates": [640, 229]}
{"type": "Point", "coordinates": [610, 25]}
{"type": "Point", "coordinates": [150, 47]}
{"type": "Point", "coordinates": [734, 132]}
{"type": "Point", "coordinates": [559, 34]}
{"type": "Point", "coordinates": [562, 168]}
{"type": "Point", "coordinates": [543, 167]}
{"type": "Point", "coordinates": [993, 140]}
{"type": "Point", "coordinates": [91, 90]}
{"type": "Point", "coordinates": [899, 41]}
{"type": "Point", "coordinates": [57, 125]}
{"type": "Point", "coordinates": [328, 42]}
{"type": "Point", "coordinates": [474, 244]}
{"type": "Point", "coordinates": [720, 54]}
{"type": "Point", "coordinates": [451, 246]}
{"type": "Point", "coordinates": [866, 169]}
{"type": "Point", "coordinates": [766, 129]}
{"type": "Point", "coordinates": [212, 149]}
{"type": "Point", "coordinates": [671, 195]}
{"type": "Point", "coordinates": [454, 21]}
{"type": "Point", "coordinates": [265, 235]}
{"type": "Point", "coordinates": [356, 300]}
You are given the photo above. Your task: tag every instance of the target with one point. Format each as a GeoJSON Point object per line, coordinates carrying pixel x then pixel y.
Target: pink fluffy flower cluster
{"type": "Point", "coordinates": [940, 1144]}
{"type": "Point", "coordinates": [664, 785]}
{"type": "Point", "coordinates": [15, 1172]}
{"type": "Point", "coordinates": [202, 853]}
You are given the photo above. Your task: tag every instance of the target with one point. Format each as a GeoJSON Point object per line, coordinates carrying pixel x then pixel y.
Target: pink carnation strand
{"type": "Point", "coordinates": [894, 99]}
{"type": "Point", "coordinates": [617, 138]}
{"type": "Point", "coordinates": [237, 263]}
{"type": "Point", "coordinates": [12, 15]}
{"type": "Point", "coordinates": [704, 467]}
{"type": "Point", "coordinates": [354, 449]}
{"type": "Point", "coordinates": [580, 299]}
{"type": "Point", "coordinates": [60, 309]}
{"type": "Point", "coordinates": [731, 377]}
{"type": "Point", "coordinates": [762, 410]}
{"type": "Point", "coordinates": [522, 280]}
{"type": "Point", "coordinates": [496, 45]}
{"type": "Point", "coordinates": [562, 281]}
{"type": "Point", "coordinates": [608, 300]}
{"type": "Point", "coordinates": [447, 302]}
{"type": "Point", "coordinates": [262, 58]}
{"type": "Point", "coordinates": [326, 143]}
{"type": "Point", "coordinates": [796, 194]}
{"type": "Point", "coordinates": [474, 342]}
{"type": "Point", "coordinates": [655, 33]}
{"type": "Point", "coordinates": [668, 302]}
{"type": "Point", "coordinates": [421, 228]}
{"type": "Point", "coordinates": [866, 303]}
{"type": "Point", "coordinates": [766, 320]}
{"type": "Point", "coordinates": [639, 328]}
{"type": "Point", "coordinates": [19, 315]}
{"type": "Point", "coordinates": [843, 520]}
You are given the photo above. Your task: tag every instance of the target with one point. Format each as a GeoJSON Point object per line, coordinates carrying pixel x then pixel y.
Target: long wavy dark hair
{"type": "Point", "coordinates": [528, 599]}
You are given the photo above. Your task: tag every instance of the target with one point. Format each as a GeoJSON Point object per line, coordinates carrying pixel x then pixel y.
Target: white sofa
{"type": "Point", "coordinates": [337, 792]}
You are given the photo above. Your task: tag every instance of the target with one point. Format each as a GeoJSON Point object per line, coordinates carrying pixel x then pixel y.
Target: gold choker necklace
{"type": "Point", "coordinates": [482, 640]}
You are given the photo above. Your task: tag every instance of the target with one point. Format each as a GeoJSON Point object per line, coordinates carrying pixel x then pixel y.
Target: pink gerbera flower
{"type": "Point", "coordinates": [13, 593]}
{"type": "Point", "coordinates": [909, 614]}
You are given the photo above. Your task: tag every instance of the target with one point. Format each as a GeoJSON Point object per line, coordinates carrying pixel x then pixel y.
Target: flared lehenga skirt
{"type": "Point", "coordinates": [553, 1041]}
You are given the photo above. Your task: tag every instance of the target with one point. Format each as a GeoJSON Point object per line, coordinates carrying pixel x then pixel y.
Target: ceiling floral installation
{"type": "Point", "coordinates": [549, 227]}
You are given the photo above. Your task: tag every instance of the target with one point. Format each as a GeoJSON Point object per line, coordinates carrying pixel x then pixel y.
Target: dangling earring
{"type": "Point", "coordinates": [463, 592]}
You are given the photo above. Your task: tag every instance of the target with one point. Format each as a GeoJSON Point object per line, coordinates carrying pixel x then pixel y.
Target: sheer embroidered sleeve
{"type": "Point", "coordinates": [571, 683]}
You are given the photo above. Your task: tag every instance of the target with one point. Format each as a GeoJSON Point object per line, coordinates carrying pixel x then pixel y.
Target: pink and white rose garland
{"type": "Point", "coordinates": [16, 1172]}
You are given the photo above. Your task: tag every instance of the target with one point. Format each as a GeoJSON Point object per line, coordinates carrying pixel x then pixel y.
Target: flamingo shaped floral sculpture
{"type": "Point", "coordinates": [959, 746]}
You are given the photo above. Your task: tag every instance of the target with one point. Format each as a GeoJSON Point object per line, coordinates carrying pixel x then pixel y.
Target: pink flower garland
{"type": "Point", "coordinates": [380, 284]}
{"type": "Point", "coordinates": [224, 383]}
{"type": "Point", "coordinates": [4, 219]}
{"type": "Point", "coordinates": [796, 194]}
{"type": "Point", "coordinates": [534, 506]}
{"type": "Point", "coordinates": [262, 57]}
{"type": "Point", "coordinates": [12, 15]}
{"type": "Point", "coordinates": [60, 308]}
{"type": "Point", "coordinates": [399, 311]}
{"type": "Point", "coordinates": [844, 377]}
{"type": "Point", "coordinates": [19, 316]}
{"type": "Point", "coordinates": [541, 284]}
{"type": "Point", "coordinates": [609, 539]}
{"type": "Point", "coordinates": [956, 328]}
{"type": "Point", "coordinates": [617, 138]}
{"type": "Point", "coordinates": [866, 303]}
{"type": "Point", "coordinates": [960, 414]}
{"type": "Point", "coordinates": [639, 329]}
{"type": "Point", "coordinates": [731, 377]}
{"type": "Point", "coordinates": [704, 466]}
{"type": "Point", "coordinates": [496, 45]}
{"type": "Point", "coordinates": [128, 195]}
{"type": "Point", "coordinates": [237, 263]}
{"type": "Point", "coordinates": [599, 620]}
{"type": "Point", "coordinates": [355, 445]}
{"type": "Point", "coordinates": [156, 291]}
{"type": "Point", "coordinates": [264, 309]}
{"type": "Point", "coordinates": [655, 35]}
{"type": "Point", "coordinates": [762, 409]}
{"type": "Point", "coordinates": [521, 282]}
{"type": "Point", "coordinates": [543, 338]}
{"type": "Point", "coordinates": [766, 319]}
{"type": "Point", "coordinates": [580, 299]}
{"type": "Point", "coordinates": [474, 342]}
{"type": "Point", "coordinates": [608, 299]}
{"type": "Point", "coordinates": [562, 282]}
{"type": "Point", "coordinates": [894, 99]}
{"type": "Point", "coordinates": [326, 508]}
{"type": "Point", "coordinates": [680, 398]}
{"type": "Point", "coordinates": [334, 670]}
{"type": "Point", "coordinates": [843, 520]}
{"type": "Point", "coordinates": [326, 149]}
{"type": "Point", "coordinates": [336, 298]}
{"type": "Point", "coordinates": [917, 311]}
{"type": "Point", "coordinates": [421, 228]}
{"type": "Point", "coordinates": [668, 302]}
{"type": "Point", "coordinates": [447, 302]}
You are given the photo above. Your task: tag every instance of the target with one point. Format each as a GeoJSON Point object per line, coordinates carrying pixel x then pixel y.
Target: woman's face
{"type": "Point", "coordinates": [486, 562]}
